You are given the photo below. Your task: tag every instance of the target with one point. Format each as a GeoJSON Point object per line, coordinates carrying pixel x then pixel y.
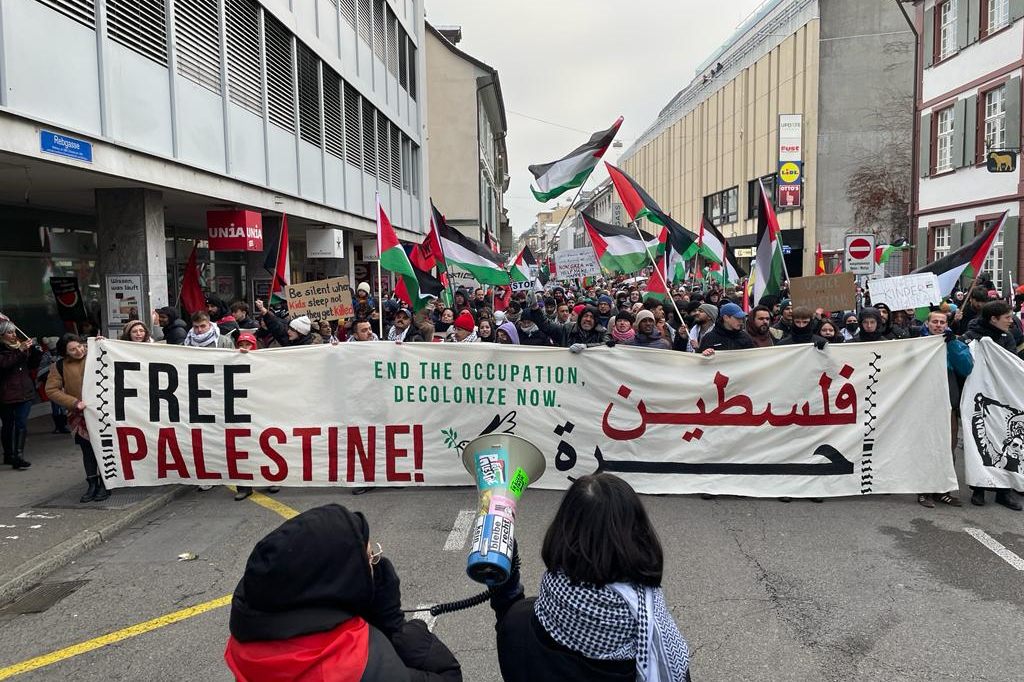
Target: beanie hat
{"type": "Point", "coordinates": [578, 309]}
{"type": "Point", "coordinates": [643, 315]}
{"type": "Point", "coordinates": [246, 336]}
{"type": "Point", "coordinates": [709, 310]}
{"type": "Point", "coordinates": [364, 287]}
{"type": "Point", "coordinates": [465, 321]}
{"type": "Point", "coordinates": [301, 324]}
{"type": "Point", "coordinates": [604, 298]}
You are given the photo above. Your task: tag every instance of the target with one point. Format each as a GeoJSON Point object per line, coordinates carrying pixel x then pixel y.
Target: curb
{"type": "Point", "coordinates": [26, 576]}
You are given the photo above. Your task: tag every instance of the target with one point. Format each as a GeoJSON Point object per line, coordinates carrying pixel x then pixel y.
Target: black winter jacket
{"type": "Point", "coordinates": [720, 338]}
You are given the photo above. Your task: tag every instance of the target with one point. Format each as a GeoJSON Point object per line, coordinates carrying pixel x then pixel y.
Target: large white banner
{"type": "Point", "coordinates": [992, 415]}
{"type": "Point", "coordinates": [790, 421]}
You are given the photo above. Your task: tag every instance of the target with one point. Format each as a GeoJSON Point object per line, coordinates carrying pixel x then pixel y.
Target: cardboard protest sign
{"type": "Point", "coordinates": [831, 292]}
{"type": "Point", "coordinates": [400, 414]}
{"type": "Point", "coordinates": [576, 264]}
{"type": "Point", "coordinates": [907, 292]}
{"type": "Point", "coordinates": [323, 299]}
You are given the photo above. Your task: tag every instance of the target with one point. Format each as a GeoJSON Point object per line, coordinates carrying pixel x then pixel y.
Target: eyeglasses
{"type": "Point", "coordinates": [376, 554]}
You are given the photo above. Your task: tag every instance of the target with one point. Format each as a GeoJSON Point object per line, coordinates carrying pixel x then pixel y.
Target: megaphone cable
{"type": "Point", "coordinates": [468, 602]}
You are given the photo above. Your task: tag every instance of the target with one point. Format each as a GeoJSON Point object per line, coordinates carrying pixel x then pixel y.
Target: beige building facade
{"type": "Point", "coordinates": [466, 129]}
{"type": "Point", "coordinates": [837, 65]}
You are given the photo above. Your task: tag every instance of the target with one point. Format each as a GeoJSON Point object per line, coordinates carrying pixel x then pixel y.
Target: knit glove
{"type": "Point", "coordinates": [577, 347]}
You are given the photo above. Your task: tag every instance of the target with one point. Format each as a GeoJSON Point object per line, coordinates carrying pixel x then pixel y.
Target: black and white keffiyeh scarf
{"type": "Point", "coordinates": [616, 622]}
{"type": "Point", "coordinates": [204, 340]}
{"type": "Point", "coordinates": [395, 335]}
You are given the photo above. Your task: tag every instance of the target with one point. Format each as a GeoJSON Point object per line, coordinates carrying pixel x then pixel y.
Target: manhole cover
{"type": "Point", "coordinates": [119, 499]}
{"type": "Point", "coordinates": [39, 599]}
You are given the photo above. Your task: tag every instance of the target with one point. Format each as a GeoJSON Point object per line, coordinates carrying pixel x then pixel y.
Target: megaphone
{"type": "Point", "coordinates": [503, 465]}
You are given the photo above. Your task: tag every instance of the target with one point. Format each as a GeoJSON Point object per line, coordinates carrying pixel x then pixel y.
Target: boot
{"type": "Point", "coordinates": [978, 497]}
{"type": "Point", "coordinates": [16, 460]}
{"type": "Point", "coordinates": [60, 423]}
{"type": "Point", "coordinates": [101, 491]}
{"type": "Point", "coordinates": [1003, 498]}
{"type": "Point", "coordinates": [90, 494]}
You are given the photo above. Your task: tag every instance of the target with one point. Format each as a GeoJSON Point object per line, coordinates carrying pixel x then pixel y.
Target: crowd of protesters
{"type": "Point", "coordinates": [692, 319]}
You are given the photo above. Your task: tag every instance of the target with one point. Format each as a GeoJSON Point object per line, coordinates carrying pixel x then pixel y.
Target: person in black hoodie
{"type": "Point", "coordinates": [316, 603]}
{"type": "Point", "coordinates": [600, 615]}
{"type": "Point", "coordinates": [174, 328]}
{"type": "Point", "coordinates": [888, 330]}
{"type": "Point", "coordinates": [801, 330]}
{"type": "Point", "coordinates": [728, 333]}
{"type": "Point", "coordinates": [870, 326]}
{"type": "Point", "coordinates": [583, 333]}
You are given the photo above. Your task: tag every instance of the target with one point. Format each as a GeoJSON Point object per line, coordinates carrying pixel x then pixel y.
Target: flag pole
{"type": "Point", "coordinates": [440, 245]}
{"type": "Point", "coordinates": [380, 274]}
{"type": "Point", "coordinates": [554, 237]}
{"type": "Point", "coordinates": [636, 226]}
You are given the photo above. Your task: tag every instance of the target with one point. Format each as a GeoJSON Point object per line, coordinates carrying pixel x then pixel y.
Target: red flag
{"type": "Point", "coordinates": [192, 298]}
{"type": "Point", "coordinates": [819, 263]}
{"type": "Point", "coordinates": [839, 267]}
{"type": "Point", "coordinates": [280, 281]}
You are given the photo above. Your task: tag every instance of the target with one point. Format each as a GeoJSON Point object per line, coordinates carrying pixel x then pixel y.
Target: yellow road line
{"type": "Point", "coordinates": [111, 638]}
{"type": "Point", "coordinates": [140, 628]}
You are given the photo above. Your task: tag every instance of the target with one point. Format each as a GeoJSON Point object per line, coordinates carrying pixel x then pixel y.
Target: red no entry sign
{"type": "Point", "coordinates": [859, 248]}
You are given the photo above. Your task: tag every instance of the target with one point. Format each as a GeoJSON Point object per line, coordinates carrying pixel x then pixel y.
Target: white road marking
{"type": "Point", "coordinates": [1000, 551]}
{"type": "Point", "coordinates": [425, 616]}
{"type": "Point", "coordinates": [36, 515]}
{"type": "Point", "coordinates": [460, 531]}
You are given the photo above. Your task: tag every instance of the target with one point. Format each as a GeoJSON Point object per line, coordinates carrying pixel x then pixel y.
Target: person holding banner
{"type": "Point", "coordinates": [402, 330]}
{"type": "Point", "coordinates": [728, 332]}
{"type": "Point", "coordinates": [319, 601]}
{"type": "Point", "coordinates": [584, 333]}
{"type": "Point", "coordinates": [18, 357]}
{"type": "Point", "coordinates": [64, 387]}
{"type": "Point", "coordinates": [600, 615]}
{"type": "Point", "coordinates": [206, 334]}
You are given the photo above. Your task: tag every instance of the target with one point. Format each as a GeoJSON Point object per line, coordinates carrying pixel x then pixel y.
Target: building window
{"type": "Point", "coordinates": [245, 85]}
{"type": "Point", "coordinates": [722, 207]}
{"type": "Point", "coordinates": [754, 190]}
{"type": "Point", "coordinates": [280, 74]}
{"type": "Point", "coordinates": [993, 265]}
{"type": "Point", "coordinates": [353, 134]}
{"type": "Point", "coordinates": [997, 15]}
{"type": "Point", "coordinates": [947, 28]}
{"type": "Point", "coordinates": [141, 26]}
{"type": "Point", "coordinates": [82, 11]}
{"type": "Point", "coordinates": [944, 140]}
{"type": "Point", "coordinates": [309, 96]}
{"type": "Point", "coordinates": [348, 10]}
{"type": "Point", "coordinates": [940, 242]}
{"type": "Point", "coordinates": [995, 118]}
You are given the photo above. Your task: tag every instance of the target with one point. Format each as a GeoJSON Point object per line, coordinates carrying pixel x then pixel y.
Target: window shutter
{"type": "Point", "coordinates": [923, 247]}
{"type": "Point", "coordinates": [963, 13]}
{"type": "Point", "coordinates": [929, 36]}
{"type": "Point", "coordinates": [197, 40]}
{"type": "Point", "coordinates": [956, 231]}
{"type": "Point", "coordinates": [1016, 9]}
{"type": "Point", "coordinates": [971, 130]}
{"type": "Point", "coordinates": [959, 110]}
{"type": "Point", "coordinates": [924, 149]}
{"type": "Point", "coordinates": [245, 85]}
{"type": "Point", "coordinates": [973, 21]}
{"type": "Point", "coordinates": [1011, 241]}
{"type": "Point", "coordinates": [139, 25]}
{"type": "Point", "coordinates": [1013, 113]}
{"type": "Point", "coordinates": [82, 11]}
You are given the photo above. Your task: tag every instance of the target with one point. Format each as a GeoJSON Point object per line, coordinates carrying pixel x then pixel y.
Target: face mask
{"type": "Point", "coordinates": [851, 327]}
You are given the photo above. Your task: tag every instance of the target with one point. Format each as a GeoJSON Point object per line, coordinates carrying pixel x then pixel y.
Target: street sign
{"type": "Point", "coordinates": [65, 145]}
{"type": "Point", "coordinates": [859, 254]}
{"type": "Point", "coordinates": [789, 196]}
{"type": "Point", "coordinates": [1001, 161]}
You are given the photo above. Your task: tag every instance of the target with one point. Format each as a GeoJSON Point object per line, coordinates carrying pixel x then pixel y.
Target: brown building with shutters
{"type": "Point", "coordinates": [971, 56]}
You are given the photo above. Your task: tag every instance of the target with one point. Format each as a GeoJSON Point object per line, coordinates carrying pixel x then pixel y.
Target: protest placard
{"type": "Point", "coordinates": [323, 299]}
{"type": "Point", "coordinates": [576, 264]}
{"type": "Point", "coordinates": [830, 292]}
{"type": "Point", "coordinates": [407, 411]}
{"type": "Point", "coordinates": [907, 292]}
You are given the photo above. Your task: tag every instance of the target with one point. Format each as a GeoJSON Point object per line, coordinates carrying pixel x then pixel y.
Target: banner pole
{"type": "Point", "coordinates": [639, 234]}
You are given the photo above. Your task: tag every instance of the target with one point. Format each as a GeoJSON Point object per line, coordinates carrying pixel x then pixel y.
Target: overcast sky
{"type": "Point", "coordinates": [579, 64]}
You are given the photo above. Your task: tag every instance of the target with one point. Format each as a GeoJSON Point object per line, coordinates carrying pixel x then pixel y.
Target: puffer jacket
{"type": "Point", "coordinates": [16, 384]}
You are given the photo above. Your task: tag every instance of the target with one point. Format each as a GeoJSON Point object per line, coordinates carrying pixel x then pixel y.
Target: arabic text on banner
{"type": "Point", "coordinates": [790, 421]}
{"type": "Point", "coordinates": [992, 415]}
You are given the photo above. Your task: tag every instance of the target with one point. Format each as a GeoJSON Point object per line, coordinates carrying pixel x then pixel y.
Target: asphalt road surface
{"type": "Point", "coordinates": [852, 589]}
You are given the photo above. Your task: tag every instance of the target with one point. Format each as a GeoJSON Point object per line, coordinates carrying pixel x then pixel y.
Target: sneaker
{"type": "Point", "coordinates": [243, 492]}
{"type": "Point", "coordinates": [949, 499]}
{"type": "Point", "coordinates": [785, 499]}
{"type": "Point", "coordinates": [1003, 498]}
{"type": "Point", "coordinates": [274, 489]}
{"type": "Point", "coordinates": [925, 501]}
{"type": "Point", "coordinates": [204, 488]}
{"type": "Point", "coordinates": [707, 496]}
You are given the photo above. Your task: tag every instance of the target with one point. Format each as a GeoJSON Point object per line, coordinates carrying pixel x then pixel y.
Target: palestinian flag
{"type": "Point", "coordinates": [966, 261]}
{"type": "Point", "coordinates": [621, 250]}
{"type": "Point", "coordinates": [522, 271]}
{"type": "Point", "coordinates": [393, 258]}
{"type": "Point", "coordinates": [711, 241]}
{"type": "Point", "coordinates": [681, 246]}
{"type": "Point", "coordinates": [768, 262]}
{"type": "Point", "coordinates": [430, 288]}
{"type": "Point", "coordinates": [884, 252]}
{"type": "Point", "coordinates": [819, 262]}
{"type": "Point", "coordinates": [277, 263]}
{"type": "Point", "coordinates": [467, 254]}
{"type": "Point", "coordinates": [573, 169]}
{"type": "Point", "coordinates": [635, 199]}
{"type": "Point", "coordinates": [656, 283]}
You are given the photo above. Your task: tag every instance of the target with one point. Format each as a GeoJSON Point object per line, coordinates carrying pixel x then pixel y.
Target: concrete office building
{"type": "Point", "coordinates": [122, 122]}
{"type": "Point", "coordinates": [969, 101]}
{"type": "Point", "coordinates": [847, 69]}
{"type": "Point", "coordinates": [466, 128]}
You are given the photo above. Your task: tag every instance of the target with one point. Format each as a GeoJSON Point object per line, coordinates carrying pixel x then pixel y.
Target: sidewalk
{"type": "Point", "coordinates": [42, 524]}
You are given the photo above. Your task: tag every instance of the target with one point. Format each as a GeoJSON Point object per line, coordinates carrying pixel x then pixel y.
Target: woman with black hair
{"type": "Point", "coordinates": [600, 615]}
{"type": "Point", "coordinates": [64, 387]}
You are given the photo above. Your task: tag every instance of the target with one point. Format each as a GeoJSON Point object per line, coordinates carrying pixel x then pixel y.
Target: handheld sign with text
{"type": "Point", "coordinates": [576, 264]}
{"type": "Point", "coordinates": [70, 306]}
{"type": "Point", "coordinates": [907, 292]}
{"type": "Point", "coordinates": [323, 299]}
{"type": "Point", "coordinates": [831, 292]}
